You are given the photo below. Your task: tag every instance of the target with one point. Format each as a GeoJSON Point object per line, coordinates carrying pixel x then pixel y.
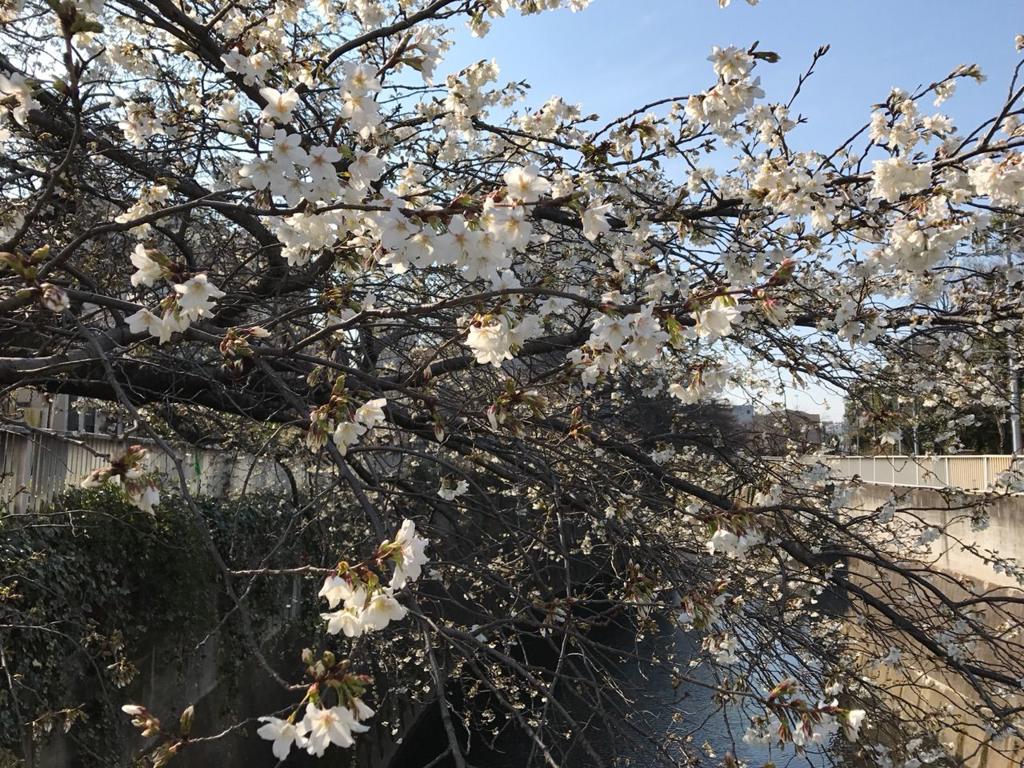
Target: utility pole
{"type": "Point", "coordinates": [1014, 376]}
{"type": "Point", "coordinates": [1014, 402]}
{"type": "Point", "coordinates": [917, 445]}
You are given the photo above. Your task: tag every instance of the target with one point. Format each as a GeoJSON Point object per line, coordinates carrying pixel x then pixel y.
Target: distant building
{"type": "Point", "coordinates": [59, 413]}
{"type": "Point", "coordinates": [779, 432]}
{"type": "Point", "coordinates": [834, 428]}
{"type": "Point", "coordinates": [743, 415]}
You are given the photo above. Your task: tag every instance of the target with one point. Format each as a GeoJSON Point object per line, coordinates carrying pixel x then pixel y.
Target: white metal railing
{"type": "Point", "coordinates": [970, 472]}
{"type": "Point", "coordinates": [36, 465]}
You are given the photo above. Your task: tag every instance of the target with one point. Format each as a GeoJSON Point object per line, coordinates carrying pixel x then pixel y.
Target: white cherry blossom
{"type": "Point", "coordinates": [280, 104]}
{"type": "Point", "coordinates": [149, 270]}
{"type": "Point", "coordinates": [411, 552]}
{"type": "Point", "coordinates": [331, 725]}
{"type": "Point", "coordinates": [595, 220]}
{"type": "Point", "coordinates": [197, 296]}
{"type": "Point", "coordinates": [284, 734]}
{"type": "Point", "coordinates": [717, 320]}
{"type": "Point", "coordinates": [526, 184]}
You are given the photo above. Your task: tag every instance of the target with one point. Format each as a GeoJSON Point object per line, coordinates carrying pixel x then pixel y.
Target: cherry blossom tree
{"type": "Point", "coordinates": [480, 329]}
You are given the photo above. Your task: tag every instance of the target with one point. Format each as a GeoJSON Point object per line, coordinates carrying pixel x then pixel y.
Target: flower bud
{"type": "Point", "coordinates": [53, 298]}
{"type": "Point", "coordinates": [185, 722]}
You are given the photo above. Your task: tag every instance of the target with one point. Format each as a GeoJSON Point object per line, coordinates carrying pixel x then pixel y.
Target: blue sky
{"type": "Point", "coordinates": [620, 54]}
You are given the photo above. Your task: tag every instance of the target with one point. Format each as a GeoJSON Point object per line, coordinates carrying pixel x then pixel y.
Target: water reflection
{"type": "Point", "coordinates": [688, 713]}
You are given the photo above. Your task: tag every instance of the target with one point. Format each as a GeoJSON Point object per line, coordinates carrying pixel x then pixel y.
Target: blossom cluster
{"type": "Point", "coordinates": [192, 299]}
{"type": "Point", "coordinates": [367, 606]}
{"type": "Point", "coordinates": [815, 725]}
{"type": "Point", "coordinates": [129, 473]}
{"type": "Point", "coordinates": [343, 423]}
{"type": "Point", "coordinates": [333, 710]}
{"type": "Point", "coordinates": [317, 729]}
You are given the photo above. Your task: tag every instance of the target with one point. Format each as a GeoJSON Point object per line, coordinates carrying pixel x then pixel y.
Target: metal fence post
{"type": "Point", "coordinates": [23, 480]}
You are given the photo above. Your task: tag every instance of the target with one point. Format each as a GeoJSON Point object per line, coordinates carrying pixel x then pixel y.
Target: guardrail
{"type": "Point", "coordinates": [970, 472]}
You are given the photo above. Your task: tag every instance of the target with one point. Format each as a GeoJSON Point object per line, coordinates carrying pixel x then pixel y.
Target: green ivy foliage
{"type": "Point", "coordinates": [89, 584]}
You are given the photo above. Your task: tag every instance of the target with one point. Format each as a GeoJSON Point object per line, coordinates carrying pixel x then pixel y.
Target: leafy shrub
{"type": "Point", "coordinates": [89, 584]}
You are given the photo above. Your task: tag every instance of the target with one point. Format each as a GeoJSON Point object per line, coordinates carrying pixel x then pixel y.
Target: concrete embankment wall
{"type": "Point", "coordinates": [227, 687]}
{"type": "Point", "coordinates": [1004, 534]}
{"type": "Point", "coordinates": [920, 681]}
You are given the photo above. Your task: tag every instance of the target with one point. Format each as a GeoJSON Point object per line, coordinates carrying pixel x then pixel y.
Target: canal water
{"type": "Point", "coordinates": [687, 712]}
